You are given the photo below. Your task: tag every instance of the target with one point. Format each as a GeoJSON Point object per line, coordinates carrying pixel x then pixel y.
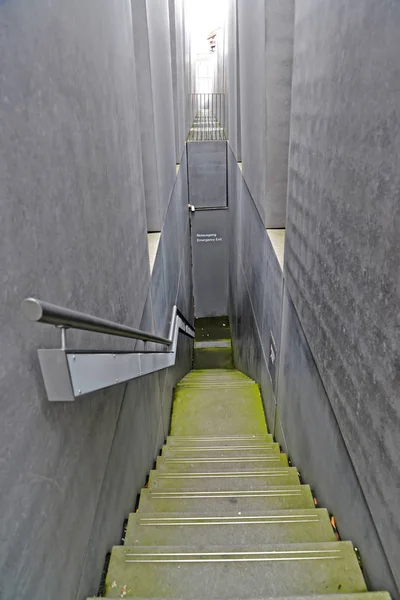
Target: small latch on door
{"type": "Point", "coordinates": [191, 207]}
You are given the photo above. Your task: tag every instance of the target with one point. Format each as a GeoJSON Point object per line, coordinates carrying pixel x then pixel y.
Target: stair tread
{"type": "Point", "coordinates": [229, 571]}
{"type": "Point", "coordinates": [264, 479]}
{"type": "Point", "coordinates": [222, 438]}
{"type": "Point", "coordinates": [224, 516]}
{"type": "Point", "coordinates": [224, 452]}
{"type": "Point", "coordinates": [212, 502]}
{"type": "Point", "coordinates": [215, 373]}
{"type": "Point", "coordinates": [220, 411]}
{"type": "Point", "coordinates": [211, 465]}
{"type": "Point", "coordinates": [233, 527]}
{"type": "Point", "coordinates": [199, 441]}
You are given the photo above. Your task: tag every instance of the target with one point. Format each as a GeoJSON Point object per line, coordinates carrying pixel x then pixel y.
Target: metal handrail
{"type": "Point", "coordinates": [44, 312]}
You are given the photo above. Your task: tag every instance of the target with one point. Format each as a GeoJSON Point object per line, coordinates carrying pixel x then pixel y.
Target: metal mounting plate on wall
{"type": "Point", "coordinates": [68, 374]}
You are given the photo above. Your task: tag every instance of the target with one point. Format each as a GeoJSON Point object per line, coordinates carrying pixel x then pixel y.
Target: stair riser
{"type": "Point", "coordinates": [213, 358]}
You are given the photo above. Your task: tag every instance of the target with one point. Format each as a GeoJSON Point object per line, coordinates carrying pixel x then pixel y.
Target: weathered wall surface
{"type": "Point", "coordinates": [177, 41]}
{"type": "Point", "coordinates": [342, 250]}
{"type": "Point", "coordinates": [207, 173]}
{"type": "Point", "coordinates": [146, 115]}
{"type": "Point", "coordinates": [233, 129]}
{"type": "Point", "coordinates": [144, 417]}
{"type": "Point", "coordinates": [255, 289]}
{"type": "Point", "coordinates": [279, 23]}
{"type": "Point", "coordinates": [338, 413]}
{"type": "Point", "coordinates": [73, 232]}
{"type": "Point", "coordinates": [297, 405]}
{"type": "Point", "coordinates": [151, 35]}
{"type": "Point", "coordinates": [265, 63]}
{"type": "Point", "coordinates": [251, 19]}
{"type": "Point", "coordinates": [307, 428]}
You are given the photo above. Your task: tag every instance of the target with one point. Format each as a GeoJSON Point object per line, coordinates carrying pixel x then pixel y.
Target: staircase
{"type": "Point", "coordinates": [224, 515]}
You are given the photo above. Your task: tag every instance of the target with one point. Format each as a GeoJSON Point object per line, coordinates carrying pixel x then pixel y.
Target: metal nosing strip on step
{"type": "Point", "coordinates": [229, 494]}
{"type": "Point", "coordinates": [212, 557]}
{"type": "Point", "coordinates": [207, 385]}
{"type": "Point", "coordinates": [216, 448]}
{"type": "Point", "coordinates": [237, 521]}
{"type": "Point", "coordinates": [239, 553]}
{"type": "Point", "coordinates": [223, 438]}
{"type": "Point", "coordinates": [225, 460]}
{"type": "Point", "coordinates": [233, 474]}
{"type": "Point", "coordinates": [225, 560]}
{"type": "Point", "coordinates": [248, 518]}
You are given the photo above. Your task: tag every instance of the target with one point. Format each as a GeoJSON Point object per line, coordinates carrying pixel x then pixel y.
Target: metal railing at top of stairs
{"type": "Point", "coordinates": [69, 374]}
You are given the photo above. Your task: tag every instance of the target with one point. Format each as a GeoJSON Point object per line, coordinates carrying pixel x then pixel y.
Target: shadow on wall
{"type": "Point", "coordinates": [297, 406]}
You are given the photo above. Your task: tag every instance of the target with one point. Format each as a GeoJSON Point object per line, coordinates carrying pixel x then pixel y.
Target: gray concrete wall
{"type": "Point", "coordinates": [151, 34]}
{"type": "Point", "coordinates": [308, 430]}
{"type": "Point", "coordinates": [251, 18]}
{"type": "Point", "coordinates": [207, 173]}
{"type": "Point", "coordinates": [144, 418]}
{"type": "Point", "coordinates": [265, 64]}
{"type": "Point", "coordinates": [161, 80]}
{"type": "Point", "coordinates": [342, 249]}
{"type": "Point", "coordinates": [146, 114]}
{"type": "Point", "coordinates": [176, 17]}
{"type": "Point", "coordinates": [337, 413]}
{"type": "Point", "coordinates": [233, 80]}
{"type": "Point", "coordinates": [73, 231]}
{"type": "Point", "coordinates": [298, 407]}
{"type": "Point", "coordinates": [279, 24]}
{"type": "Point", "coordinates": [255, 289]}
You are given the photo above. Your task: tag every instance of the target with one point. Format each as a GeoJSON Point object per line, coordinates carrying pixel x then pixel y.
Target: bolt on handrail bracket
{"type": "Point", "coordinates": [69, 374]}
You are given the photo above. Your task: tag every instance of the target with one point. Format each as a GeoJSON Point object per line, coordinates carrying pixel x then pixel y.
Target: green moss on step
{"type": "Point", "coordinates": [218, 409]}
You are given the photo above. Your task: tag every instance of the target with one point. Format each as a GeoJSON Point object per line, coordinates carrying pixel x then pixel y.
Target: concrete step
{"type": "Point", "coordinates": [213, 465]}
{"type": "Point", "coordinates": [214, 355]}
{"type": "Point", "coordinates": [215, 385]}
{"type": "Point", "coordinates": [227, 440]}
{"type": "Point", "coordinates": [215, 452]}
{"type": "Point", "coordinates": [212, 374]}
{"type": "Point", "coordinates": [231, 453]}
{"type": "Point", "coordinates": [233, 571]}
{"type": "Point", "coordinates": [209, 377]}
{"type": "Point", "coordinates": [220, 411]}
{"type": "Point", "coordinates": [216, 503]}
{"type": "Point", "coordinates": [224, 481]}
{"type": "Point", "coordinates": [222, 343]}
{"type": "Point", "coordinates": [358, 596]}
{"type": "Point", "coordinates": [276, 527]}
